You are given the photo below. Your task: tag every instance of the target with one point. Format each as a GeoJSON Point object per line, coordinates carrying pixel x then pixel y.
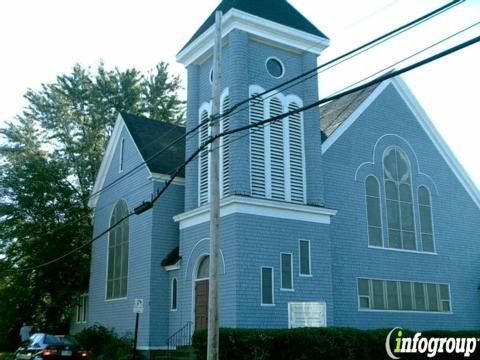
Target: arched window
{"type": "Point", "coordinates": [203, 271]}
{"type": "Point", "coordinates": [372, 191]}
{"type": "Point", "coordinates": [225, 148]}
{"type": "Point", "coordinates": [426, 226]}
{"type": "Point", "coordinates": [257, 147]}
{"type": "Point", "coordinates": [174, 294]}
{"type": "Point", "coordinates": [297, 166]}
{"type": "Point", "coordinates": [117, 268]}
{"type": "Point", "coordinates": [398, 193]}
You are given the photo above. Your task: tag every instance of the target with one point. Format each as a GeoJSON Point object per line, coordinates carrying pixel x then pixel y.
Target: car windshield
{"type": "Point", "coordinates": [51, 340]}
{"type": "Point", "coordinates": [67, 339]}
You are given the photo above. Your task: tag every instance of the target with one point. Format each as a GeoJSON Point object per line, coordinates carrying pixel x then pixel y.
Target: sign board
{"type": "Point", "coordinates": [307, 314]}
{"type": "Point", "coordinates": [138, 306]}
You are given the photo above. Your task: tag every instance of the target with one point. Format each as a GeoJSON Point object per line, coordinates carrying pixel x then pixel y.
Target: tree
{"type": "Point", "coordinates": [48, 163]}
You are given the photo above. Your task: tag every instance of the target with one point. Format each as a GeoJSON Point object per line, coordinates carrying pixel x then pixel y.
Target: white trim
{"type": "Point", "coordinates": [259, 207]}
{"type": "Point", "coordinates": [403, 250]}
{"type": "Point", "coordinates": [426, 124]}
{"type": "Point", "coordinates": [431, 217]}
{"type": "Point", "coordinates": [292, 289]}
{"type": "Point", "coordinates": [263, 28]}
{"type": "Point", "coordinates": [204, 254]}
{"type": "Point", "coordinates": [379, 205]}
{"type": "Point", "coordinates": [281, 65]}
{"type": "Point", "coordinates": [173, 267]}
{"type": "Point", "coordinates": [163, 177]}
{"type": "Point", "coordinates": [300, 259]}
{"type": "Point", "coordinates": [261, 286]}
{"type": "Point", "coordinates": [108, 156]}
{"type": "Point", "coordinates": [353, 117]}
{"type": "Point", "coordinates": [146, 348]}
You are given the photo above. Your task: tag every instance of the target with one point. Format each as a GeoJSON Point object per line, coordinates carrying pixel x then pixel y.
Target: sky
{"type": "Point", "coordinates": [42, 39]}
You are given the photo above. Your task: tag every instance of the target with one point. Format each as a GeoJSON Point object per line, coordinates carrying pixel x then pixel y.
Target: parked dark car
{"type": "Point", "coordinates": [43, 346]}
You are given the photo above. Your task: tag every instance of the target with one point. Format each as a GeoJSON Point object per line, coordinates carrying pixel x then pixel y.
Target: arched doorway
{"type": "Point", "coordinates": [201, 293]}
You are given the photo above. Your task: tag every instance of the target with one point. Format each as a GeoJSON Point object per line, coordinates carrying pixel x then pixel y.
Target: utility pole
{"type": "Point", "coordinates": [213, 303]}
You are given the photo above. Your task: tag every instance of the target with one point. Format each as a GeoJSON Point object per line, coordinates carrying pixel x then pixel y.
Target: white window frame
{"type": "Point", "coordinates": [82, 309]}
{"type": "Point", "coordinates": [172, 307]}
{"type": "Point", "coordinates": [431, 219]}
{"type": "Point", "coordinates": [291, 272]}
{"type": "Point", "coordinates": [261, 285]}
{"type": "Point", "coordinates": [281, 64]}
{"type": "Point", "coordinates": [300, 259]}
{"type": "Point", "coordinates": [411, 282]}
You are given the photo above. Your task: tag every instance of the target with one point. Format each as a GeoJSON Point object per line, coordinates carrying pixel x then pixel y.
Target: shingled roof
{"type": "Point", "coordinates": [334, 113]}
{"type": "Point", "coordinates": [279, 11]}
{"type": "Point", "coordinates": [152, 136]}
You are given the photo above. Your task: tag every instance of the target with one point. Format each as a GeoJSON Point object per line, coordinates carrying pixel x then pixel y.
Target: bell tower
{"type": "Point", "coordinates": [265, 43]}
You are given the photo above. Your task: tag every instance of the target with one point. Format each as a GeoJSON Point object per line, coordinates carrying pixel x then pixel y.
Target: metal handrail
{"type": "Point", "coordinates": [182, 337]}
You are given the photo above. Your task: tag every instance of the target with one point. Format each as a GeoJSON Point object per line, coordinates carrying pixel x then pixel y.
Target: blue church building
{"type": "Point", "coordinates": [352, 214]}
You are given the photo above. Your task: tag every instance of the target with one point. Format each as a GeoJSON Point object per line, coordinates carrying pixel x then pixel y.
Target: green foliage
{"type": "Point", "coordinates": [105, 344]}
{"type": "Point", "coordinates": [49, 157]}
{"type": "Point", "coordinates": [309, 343]}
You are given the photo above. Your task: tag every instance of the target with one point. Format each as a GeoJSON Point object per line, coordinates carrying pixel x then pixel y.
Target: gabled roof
{"type": "Point", "coordinates": [334, 113]}
{"type": "Point", "coordinates": [337, 116]}
{"type": "Point", "coordinates": [279, 11]}
{"type": "Point", "coordinates": [152, 136]}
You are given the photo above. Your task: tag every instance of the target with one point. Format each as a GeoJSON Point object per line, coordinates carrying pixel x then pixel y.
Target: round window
{"type": "Point", "coordinates": [274, 67]}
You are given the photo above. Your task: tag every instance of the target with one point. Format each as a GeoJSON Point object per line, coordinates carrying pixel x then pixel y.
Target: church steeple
{"type": "Point", "coordinates": [265, 43]}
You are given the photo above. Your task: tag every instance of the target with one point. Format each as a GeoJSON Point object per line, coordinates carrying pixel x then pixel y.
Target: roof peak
{"type": "Point", "coordinates": [279, 11]}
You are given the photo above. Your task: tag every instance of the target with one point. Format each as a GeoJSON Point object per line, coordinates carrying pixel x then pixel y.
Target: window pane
{"type": "Point", "coordinates": [407, 216]}
{"type": "Point", "coordinates": [174, 294]}
{"type": "Point", "coordinates": [403, 168]}
{"type": "Point", "coordinates": [372, 186]}
{"type": "Point", "coordinates": [406, 289]}
{"type": "Point", "coordinates": [392, 295]}
{"type": "Point", "coordinates": [394, 239]}
{"type": "Point", "coordinates": [304, 257]}
{"type": "Point", "coordinates": [373, 211]}
{"type": "Point", "coordinates": [378, 298]}
{"type": "Point", "coordinates": [364, 302]}
{"type": "Point", "coordinates": [432, 297]}
{"type": "Point", "coordinates": [204, 268]}
{"type": "Point", "coordinates": [409, 240]}
{"type": "Point", "coordinates": [425, 219]}
{"type": "Point", "coordinates": [375, 236]}
{"type": "Point", "coordinates": [391, 190]}
{"type": "Point", "coordinates": [427, 243]}
{"type": "Point", "coordinates": [446, 306]}
{"type": "Point", "coordinates": [363, 287]}
{"type": "Point", "coordinates": [419, 297]}
{"type": "Point", "coordinates": [444, 293]}
{"type": "Point", "coordinates": [286, 271]}
{"type": "Point", "coordinates": [124, 260]}
{"type": "Point", "coordinates": [423, 196]}
{"type": "Point", "coordinates": [405, 192]}
{"type": "Point", "coordinates": [393, 215]}
{"type": "Point", "coordinates": [267, 286]}
{"type": "Point", "coordinates": [390, 165]}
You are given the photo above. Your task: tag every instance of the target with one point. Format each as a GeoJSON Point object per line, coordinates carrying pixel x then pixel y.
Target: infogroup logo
{"type": "Point", "coordinates": [431, 346]}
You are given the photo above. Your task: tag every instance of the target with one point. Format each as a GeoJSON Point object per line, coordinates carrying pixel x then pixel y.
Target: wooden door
{"type": "Point", "coordinates": [201, 304]}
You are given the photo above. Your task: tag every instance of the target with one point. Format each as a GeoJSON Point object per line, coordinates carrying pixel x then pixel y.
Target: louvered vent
{"type": "Point", "coordinates": [277, 151]}
{"type": "Point", "coordinates": [296, 156]}
{"type": "Point", "coordinates": [225, 148]}
{"type": "Point", "coordinates": [204, 154]}
{"type": "Point", "coordinates": [257, 153]}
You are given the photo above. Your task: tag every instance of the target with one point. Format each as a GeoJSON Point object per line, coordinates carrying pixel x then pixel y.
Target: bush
{"type": "Point", "coordinates": [310, 343]}
{"type": "Point", "coordinates": [105, 344]}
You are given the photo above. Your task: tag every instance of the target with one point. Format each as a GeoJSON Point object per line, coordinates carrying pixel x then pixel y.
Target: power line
{"type": "Point", "coordinates": [349, 54]}
{"type": "Point", "coordinates": [145, 206]}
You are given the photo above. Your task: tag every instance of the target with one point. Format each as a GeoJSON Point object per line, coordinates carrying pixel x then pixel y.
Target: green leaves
{"type": "Point", "coordinates": [49, 157]}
